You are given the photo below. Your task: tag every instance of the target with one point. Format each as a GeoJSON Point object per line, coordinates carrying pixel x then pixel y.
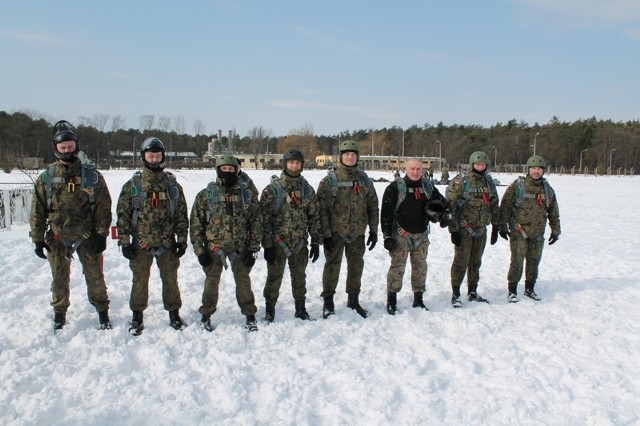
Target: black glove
{"type": "Point", "coordinates": [40, 247]}
{"type": "Point", "coordinates": [248, 259]}
{"type": "Point", "coordinates": [389, 244]}
{"type": "Point", "coordinates": [553, 238]}
{"type": "Point", "coordinates": [328, 243]}
{"type": "Point", "coordinates": [445, 220]}
{"type": "Point", "coordinates": [505, 234]}
{"type": "Point", "coordinates": [456, 238]}
{"type": "Point", "coordinates": [494, 234]}
{"type": "Point", "coordinates": [372, 240]}
{"type": "Point", "coordinates": [181, 249]}
{"type": "Point", "coordinates": [128, 251]}
{"type": "Point", "coordinates": [270, 254]}
{"type": "Point", "coordinates": [314, 253]}
{"type": "Point", "coordinates": [97, 243]}
{"type": "Point", "coordinates": [205, 259]}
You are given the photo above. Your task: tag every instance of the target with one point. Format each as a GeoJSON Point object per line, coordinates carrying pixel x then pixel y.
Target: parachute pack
{"type": "Point", "coordinates": [87, 181]}
{"type": "Point", "coordinates": [306, 192]}
{"type": "Point", "coordinates": [214, 197]}
{"type": "Point", "coordinates": [171, 193]}
{"type": "Point", "coordinates": [334, 184]}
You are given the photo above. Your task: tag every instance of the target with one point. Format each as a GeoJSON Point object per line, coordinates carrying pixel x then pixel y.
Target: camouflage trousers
{"type": "Point", "coordinates": [244, 294]}
{"type": "Point", "coordinates": [140, 266]}
{"type": "Point", "coordinates": [418, 258]}
{"type": "Point", "coordinates": [61, 270]}
{"type": "Point", "coordinates": [529, 250]}
{"type": "Point", "coordinates": [297, 269]}
{"type": "Point", "coordinates": [467, 259]}
{"type": "Point", "coordinates": [354, 252]}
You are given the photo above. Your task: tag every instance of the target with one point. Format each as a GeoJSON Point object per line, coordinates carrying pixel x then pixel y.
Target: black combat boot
{"type": "Point", "coordinates": [270, 311]}
{"type": "Point", "coordinates": [59, 320]}
{"type": "Point", "coordinates": [392, 303]}
{"type": "Point", "coordinates": [354, 303]}
{"type": "Point", "coordinates": [136, 323]}
{"type": "Point", "coordinates": [205, 323]}
{"type": "Point", "coordinates": [175, 321]}
{"type": "Point", "coordinates": [328, 309]}
{"type": "Point", "coordinates": [513, 293]}
{"type": "Point", "coordinates": [417, 301]}
{"type": "Point", "coordinates": [105, 324]}
{"type": "Point", "coordinates": [301, 311]}
{"type": "Point", "coordinates": [529, 292]}
{"type": "Point", "coordinates": [251, 324]}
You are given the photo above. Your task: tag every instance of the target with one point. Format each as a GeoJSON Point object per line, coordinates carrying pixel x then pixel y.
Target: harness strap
{"type": "Point", "coordinates": [413, 240]}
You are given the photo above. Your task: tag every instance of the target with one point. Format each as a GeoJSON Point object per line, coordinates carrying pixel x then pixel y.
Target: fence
{"type": "Point", "coordinates": [15, 204]}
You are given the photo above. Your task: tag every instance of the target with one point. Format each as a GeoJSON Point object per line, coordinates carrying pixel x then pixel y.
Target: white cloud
{"type": "Point", "coordinates": [36, 38]}
{"type": "Point", "coordinates": [323, 38]}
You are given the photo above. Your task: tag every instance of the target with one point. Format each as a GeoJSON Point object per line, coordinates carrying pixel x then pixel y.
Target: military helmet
{"type": "Point", "coordinates": [152, 144]}
{"type": "Point", "coordinates": [346, 146]}
{"type": "Point", "coordinates": [479, 157]}
{"type": "Point", "coordinates": [227, 159]}
{"type": "Point", "coordinates": [292, 154]}
{"type": "Point", "coordinates": [536, 161]}
{"type": "Point", "coordinates": [64, 131]}
{"type": "Point", "coordinates": [435, 209]}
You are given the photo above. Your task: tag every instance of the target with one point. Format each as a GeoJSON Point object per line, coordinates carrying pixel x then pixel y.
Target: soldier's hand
{"type": "Point", "coordinates": [553, 238]}
{"type": "Point", "coordinates": [389, 244]}
{"type": "Point", "coordinates": [97, 243]}
{"type": "Point", "coordinates": [372, 240]}
{"type": "Point", "coordinates": [456, 238]}
{"type": "Point", "coordinates": [181, 249]}
{"type": "Point", "coordinates": [505, 234]}
{"type": "Point", "coordinates": [204, 259]}
{"type": "Point", "coordinates": [248, 259]}
{"type": "Point", "coordinates": [445, 220]}
{"type": "Point", "coordinates": [270, 254]}
{"type": "Point", "coordinates": [494, 234]}
{"type": "Point", "coordinates": [328, 243]}
{"type": "Point", "coordinates": [39, 250]}
{"type": "Point", "coordinates": [314, 253]}
{"type": "Point", "coordinates": [128, 251]}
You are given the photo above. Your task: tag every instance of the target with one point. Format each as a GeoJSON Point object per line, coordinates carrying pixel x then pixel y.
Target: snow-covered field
{"type": "Point", "coordinates": [571, 359]}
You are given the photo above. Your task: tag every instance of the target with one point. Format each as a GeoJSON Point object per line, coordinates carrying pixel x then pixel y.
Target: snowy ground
{"type": "Point", "coordinates": [570, 359]}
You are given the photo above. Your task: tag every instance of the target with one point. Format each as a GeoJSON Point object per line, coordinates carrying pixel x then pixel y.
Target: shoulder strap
{"type": "Point", "coordinates": [47, 177]}
{"type": "Point", "coordinates": [173, 193]}
{"type": "Point", "coordinates": [278, 193]}
{"type": "Point", "coordinates": [136, 201]}
{"type": "Point", "coordinates": [89, 181]}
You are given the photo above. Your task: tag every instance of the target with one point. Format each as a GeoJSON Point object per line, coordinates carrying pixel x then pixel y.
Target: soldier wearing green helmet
{"type": "Point", "coordinates": [348, 204]}
{"type": "Point", "coordinates": [526, 206]}
{"type": "Point", "coordinates": [474, 205]}
{"type": "Point", "coordinates": [226, 229]}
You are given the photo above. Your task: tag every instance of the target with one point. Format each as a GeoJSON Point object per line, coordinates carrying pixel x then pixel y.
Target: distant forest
{"type": "Point", "coordinates": [596, 143]}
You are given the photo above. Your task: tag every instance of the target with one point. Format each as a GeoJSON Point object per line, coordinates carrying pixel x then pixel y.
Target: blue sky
{"type": "Point", "coordinates": [330, 65]}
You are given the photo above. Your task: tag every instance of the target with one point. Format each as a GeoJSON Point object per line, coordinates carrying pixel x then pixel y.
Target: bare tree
{"type": "Point", "coordinates": [198, 127]}
{"type": "Point", "coordinates": [258, 135]}
{"type": "Point", "coordinates": [164, 123]}
{"type": "Point", "coordinates": [117, 123]}
{"type": "Point", "coordinates": [83, 120]}
{"type": "Point", "coordinates": [99, 121]}
{"type": "Point", "coordinates": [146, 122]}
{"type": "Point", "coordinates": [178, 124]}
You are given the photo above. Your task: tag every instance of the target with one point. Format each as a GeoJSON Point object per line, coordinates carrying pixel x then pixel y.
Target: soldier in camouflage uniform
{"type": "Point", "coordinates": [226, 228]}
{"type": "Point", "coordinates": [71, 212]}
{"type": "Point", "coordinates": [348, 204]}
{"type": "Point", "coordinates": [526, 206]}
{"type": "Point", "coordinates": [153, 224]}
{"type": "Point", "coordinates": [474, 203]}
{"type": "Point", "coordinates": [408, 204]}
{"type": "Point", "coordinates": [290, 213]}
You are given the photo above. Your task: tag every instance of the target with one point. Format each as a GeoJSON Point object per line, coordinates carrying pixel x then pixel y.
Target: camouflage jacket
{"type": "Point", "coordinates": [230, 225]}
{"type": "Point", "coordinates": [473, 201]}
{"type": "Point", "coordinates": [353, 208]}
{"type": "Point", "coordinates": [527, 204]}
{"type": "Point", "coordinates": [155, 224]}
{"type": "Point", "coordinates": [70, 215]}
{"type": "Point", "coordinates": [297, 217]}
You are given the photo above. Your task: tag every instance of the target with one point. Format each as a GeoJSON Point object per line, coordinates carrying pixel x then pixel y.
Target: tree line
{"type": "Point", "coordinates": [592, 143]}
